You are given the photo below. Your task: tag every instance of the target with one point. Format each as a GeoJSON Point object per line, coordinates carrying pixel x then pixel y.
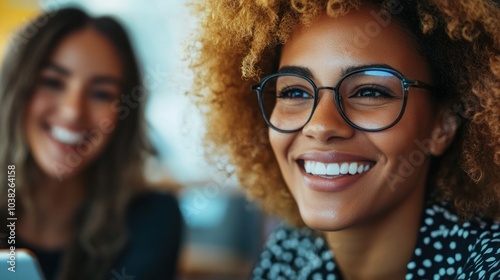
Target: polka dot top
{"type": "Point", "coordinates": [445, 249]}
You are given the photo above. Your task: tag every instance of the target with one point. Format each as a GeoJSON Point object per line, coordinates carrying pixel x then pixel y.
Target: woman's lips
{"type": "Point", "coordinates": [66, 136]}
{"type": "Point", "coordinates": [334, 169]}
{"type": "Point", "coordinates": [64, 139]}
{"type": "Point", "coordinates": [332, 172]}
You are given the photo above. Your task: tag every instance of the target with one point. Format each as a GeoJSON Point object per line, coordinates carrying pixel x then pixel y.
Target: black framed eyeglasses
{"type": "Point", "coordinates": [369, 99]}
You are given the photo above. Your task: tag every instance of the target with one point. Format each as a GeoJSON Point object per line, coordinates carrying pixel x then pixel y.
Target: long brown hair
{"type": "Point", "coordinates": [115, 176]}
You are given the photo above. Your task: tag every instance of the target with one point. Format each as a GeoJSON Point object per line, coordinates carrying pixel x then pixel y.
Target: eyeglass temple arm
{"type": "Point", "coordinates": [419, 84]}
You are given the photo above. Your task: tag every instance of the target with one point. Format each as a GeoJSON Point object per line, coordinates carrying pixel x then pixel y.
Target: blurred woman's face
{"type": "Point", "coordinates": [395, 161]}
{"type": "Point", "coordinates": [69, 118]}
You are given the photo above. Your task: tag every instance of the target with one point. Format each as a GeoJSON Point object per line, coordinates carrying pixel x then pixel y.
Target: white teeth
{"type": "Point", "coordinates": [344, 168]}
{"type": "Point", "coordinates": [66, 136]}
{"type": "Point", "coordinates": [334, 169]}
{"type": "Point", "coordinates": [353, 168]}
{"type": "Point", "coordinates": [360, 168]}
{"type": "Point", "coordinates": [309, 166]}
{"type": "Point", "coordinates": [320, 169]}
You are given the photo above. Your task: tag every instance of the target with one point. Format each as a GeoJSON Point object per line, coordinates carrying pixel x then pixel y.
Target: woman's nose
{"type": "Point", "coordinates": [72, 105]}
{"type": "Point", "coordinates": [326, 122]}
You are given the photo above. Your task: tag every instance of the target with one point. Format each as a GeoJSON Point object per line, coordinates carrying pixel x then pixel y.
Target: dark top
{"type": "Point", "coordinates": [446, 249]}
{"type": "Point", "coordinates": [155, 233]}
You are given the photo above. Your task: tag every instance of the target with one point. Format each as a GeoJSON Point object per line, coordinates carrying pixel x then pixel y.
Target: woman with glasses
{"type": "Point", "coordinates": [73, 147]}
{"type": "Point", "coordinates": [371, 127]}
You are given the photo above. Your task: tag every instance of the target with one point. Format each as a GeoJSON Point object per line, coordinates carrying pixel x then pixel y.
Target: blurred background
{"type": "Point", "coordinates": [225, 232]}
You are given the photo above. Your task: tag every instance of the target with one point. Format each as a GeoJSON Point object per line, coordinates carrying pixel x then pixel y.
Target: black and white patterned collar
{"type": "Point", "coordinates": [445, 249]}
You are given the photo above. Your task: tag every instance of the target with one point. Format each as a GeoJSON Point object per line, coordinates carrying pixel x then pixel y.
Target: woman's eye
{"type": "Point", "coordinates": [372, 92]}
{"type": "Point", "coordinates": [51, 83]}
{"type": "Point", "coordinates": [102, 95]}
{"type": "Point", "coordinates": [293, 93]}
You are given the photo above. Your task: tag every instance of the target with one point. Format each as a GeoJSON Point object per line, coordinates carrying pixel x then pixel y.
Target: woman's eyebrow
{"type": "Point", "coordinates": [304, 71]}
{"type": "Point", "coordinates": [362, 66]}
{"type": "Point", "coordinates": [57, 68]}
{"type": "Point", "coordinates": [51, 66]}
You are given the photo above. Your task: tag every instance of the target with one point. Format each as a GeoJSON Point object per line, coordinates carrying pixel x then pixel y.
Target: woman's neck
{"type": "Point", "coordinates": [47, 221]}
{"type": "Point", "coordinates": [382, 248]}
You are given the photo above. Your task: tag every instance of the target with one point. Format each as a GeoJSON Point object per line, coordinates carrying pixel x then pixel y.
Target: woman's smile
{"type": "Point", "coordinates": [332, 171]}
{"type": "Point", "coordinates": [66, 136]}
{"type": "Point", "coordinates": [63, 140]}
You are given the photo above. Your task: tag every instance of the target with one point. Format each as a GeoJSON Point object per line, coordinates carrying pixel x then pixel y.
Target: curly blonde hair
{"type": "Point", "coordinates": [239, 41]}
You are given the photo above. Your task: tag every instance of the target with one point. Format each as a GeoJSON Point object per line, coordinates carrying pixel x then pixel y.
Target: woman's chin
{"type": "Point", "coordinates": [60, 171]}
{"type": "Point", "coordinates": [323, 220]}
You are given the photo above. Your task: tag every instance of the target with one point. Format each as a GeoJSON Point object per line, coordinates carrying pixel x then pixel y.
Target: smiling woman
{"type": "Point", "coordinates": [326, 200]}
{"type": "Point", "coordinates": [376, 112]}
{"type": "Point", "coordinates": [73, 95]}
{"type": "Point", "coordinates": [83, 206]}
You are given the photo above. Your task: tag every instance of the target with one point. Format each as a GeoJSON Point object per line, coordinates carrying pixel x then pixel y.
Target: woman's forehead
{"type": "Point", "coordinates": [357, 38]}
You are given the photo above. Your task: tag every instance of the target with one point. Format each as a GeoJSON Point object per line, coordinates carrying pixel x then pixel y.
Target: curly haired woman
{"type": "Point", "coordinates": [373, 129]}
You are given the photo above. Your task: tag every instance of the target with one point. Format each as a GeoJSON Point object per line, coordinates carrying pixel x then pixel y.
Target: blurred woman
{"type": "Point", "coordinates": [73, 129]}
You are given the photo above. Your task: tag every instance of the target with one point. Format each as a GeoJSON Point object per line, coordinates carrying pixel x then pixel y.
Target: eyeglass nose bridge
{"type": "Point", "coordinates": [334, 89]}
{"type": "Point", "coordinates": [336, 99]}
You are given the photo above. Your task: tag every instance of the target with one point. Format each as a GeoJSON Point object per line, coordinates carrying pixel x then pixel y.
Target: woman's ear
{"type": "Point", "coordinates": [444, 131]}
